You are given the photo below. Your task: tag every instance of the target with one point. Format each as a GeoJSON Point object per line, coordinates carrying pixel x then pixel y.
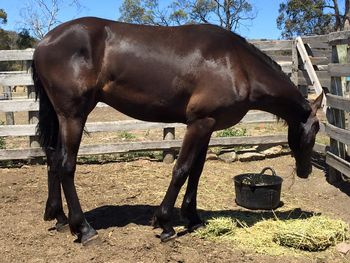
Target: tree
{"type": "Point", "coordinates": [40, 16]}
{"type": "Point", "coordinates": [12, 40]}
{"type": "Point", "coordinates": [229, 14]}
{"type": "Point", "coordinates": [3, 16]}
{"type": "Point", "coordinates": [24, 40]}
{"type": "Point", "coordinates": [310, 17]}
{"type": "Point", "coordinates": [4, 38]}
{"type": "Point", "coordinates": [143, 12]}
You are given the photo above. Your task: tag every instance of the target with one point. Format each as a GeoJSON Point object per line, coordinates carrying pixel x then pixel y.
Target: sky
{"type": "Point", "coordinates": [262, 27]}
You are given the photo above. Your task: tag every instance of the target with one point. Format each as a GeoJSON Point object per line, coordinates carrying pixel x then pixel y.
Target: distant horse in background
{"type": "Point", "coordinates": [200, 75]}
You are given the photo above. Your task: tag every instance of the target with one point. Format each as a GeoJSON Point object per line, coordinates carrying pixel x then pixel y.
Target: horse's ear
{"type": "Point", "coordinates": [317, 103]}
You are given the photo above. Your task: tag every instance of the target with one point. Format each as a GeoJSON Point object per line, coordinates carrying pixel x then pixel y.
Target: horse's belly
{"type": "Point", "coordinates": [148, 106]}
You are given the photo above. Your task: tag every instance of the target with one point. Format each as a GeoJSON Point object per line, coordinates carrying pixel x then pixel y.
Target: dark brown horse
{"type": "Point", "coordinates": [200, 75]}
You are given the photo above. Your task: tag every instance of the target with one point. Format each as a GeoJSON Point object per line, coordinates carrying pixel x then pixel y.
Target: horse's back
{"type": "Point", "coordinates": [91, 36]}
{"type": "Point", "coordinates": [172, 73]}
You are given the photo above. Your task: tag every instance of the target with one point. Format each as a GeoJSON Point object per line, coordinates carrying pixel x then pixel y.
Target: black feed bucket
{"type": "Point", "coordinates": [258, 191]}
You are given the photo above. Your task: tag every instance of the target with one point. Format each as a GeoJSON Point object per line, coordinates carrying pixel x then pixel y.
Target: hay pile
{"type": "Point", "coordinates": [277, 237]}
{"type": "Point", "coordinates": [218, 227]}
{"type": "Point", "coordinates": [313, 234]}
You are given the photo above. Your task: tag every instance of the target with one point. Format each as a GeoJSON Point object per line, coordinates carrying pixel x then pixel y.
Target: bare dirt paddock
{"type": "Point", "coordinates": [120, 198]}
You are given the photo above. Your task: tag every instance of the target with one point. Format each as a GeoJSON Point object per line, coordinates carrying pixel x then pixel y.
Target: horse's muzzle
{"type": "Point", "coordinates": [304, 172]}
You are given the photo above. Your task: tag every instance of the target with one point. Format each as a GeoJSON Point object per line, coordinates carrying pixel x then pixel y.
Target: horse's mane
{"type": "Point", "coordinates": [261, 54]}
{"type": "Point", "coordinates": [271, 62]}
{"type": "Point", "coordinates": [264, 56]}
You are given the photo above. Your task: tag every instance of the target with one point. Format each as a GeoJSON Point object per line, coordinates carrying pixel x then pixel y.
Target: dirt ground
{"type": "Point", "coordinates": [119, 199]}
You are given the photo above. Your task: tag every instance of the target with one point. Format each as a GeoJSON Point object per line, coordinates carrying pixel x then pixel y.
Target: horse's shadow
{"type": "Point", "coordinates": [118, 216]}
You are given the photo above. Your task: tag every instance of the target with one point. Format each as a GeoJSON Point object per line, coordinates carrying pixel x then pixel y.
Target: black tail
{"type": "Point", "coordinates": [47, 128]}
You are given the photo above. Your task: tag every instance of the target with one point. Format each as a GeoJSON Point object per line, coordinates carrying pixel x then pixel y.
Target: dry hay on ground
{"type": "Point", "coordinates": [272, 236]}
{"type": "Point", "coordinates": [313, 234]}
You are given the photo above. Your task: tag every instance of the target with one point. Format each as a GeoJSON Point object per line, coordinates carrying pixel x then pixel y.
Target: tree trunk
{"type": "Point", "coordinates": [227, 4]}
{"type": "Point", "coordinates": [338, 21]}
{"type": "Point", "coordinates": [347, 15]}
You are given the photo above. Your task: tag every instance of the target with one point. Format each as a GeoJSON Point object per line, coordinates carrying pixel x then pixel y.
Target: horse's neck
{"type": "Point", "coordinates": [283, 99]}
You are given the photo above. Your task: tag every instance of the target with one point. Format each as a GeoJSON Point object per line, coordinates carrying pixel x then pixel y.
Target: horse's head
{"type": "Point", "coordinates": [301, 139]}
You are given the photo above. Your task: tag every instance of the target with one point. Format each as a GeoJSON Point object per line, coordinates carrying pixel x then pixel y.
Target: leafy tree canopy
{"type": "Point", "coordinates": [4, 38]}
{"type": "Point", "coordinates": [229, 14]}
{"type": "Point", "coordinates": [13, 40]}
{"type": "Point", "coordinates": [311, 17]}
{"type": "Point", "coordinates": [3, 16]}
{"type": "Point", "coordinates": [25, 40]}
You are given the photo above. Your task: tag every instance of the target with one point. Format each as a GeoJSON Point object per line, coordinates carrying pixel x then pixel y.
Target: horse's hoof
{"type": "Point", "coordinates": [155, 222]}
{"type": "Point", "coordinates": [48, 215]}
{"type": "Point", "coordinates": [194, 227]}
{"type": "Point", "coordinates": [167, 236]}
{"type": "Point", "coordinates": [61, 227]}
{"type": "Point", "coordinates": [88, 237]}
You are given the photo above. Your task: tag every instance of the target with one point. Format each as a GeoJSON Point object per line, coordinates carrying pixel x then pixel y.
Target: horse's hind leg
{"type": "Point", "coordinates": [54, 208]}
{"type": "Point", "coordinates": [70, 133]}
{"type": "Point", "coordinates": [189, 204]}
{"type": "Point", "coordinates": [194, 144]}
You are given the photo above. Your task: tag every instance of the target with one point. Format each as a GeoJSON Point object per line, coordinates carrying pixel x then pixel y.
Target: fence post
{"type": "Point", "coordinates": [347, 94]}
{"type": "Point", "coordinates": [335, 116]}
{"type": "Point", "coordinates": [10, 119]}
{"type": "Point", "coordinates": [295, 63]}
{"type": "Point", "coordinates": [33, 116]}
{"type": "Point", "coordinates": [168, 155]}
{"type": "Point", "coordinates": [299, 65]}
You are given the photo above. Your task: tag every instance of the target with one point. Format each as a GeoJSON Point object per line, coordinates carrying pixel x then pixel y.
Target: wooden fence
{"type": "Point", "coordinates": [337, 126]}
{"type": "Point", "coordinates": [284, 52]}
{"type": "Point", "coordinates": [168, 143]}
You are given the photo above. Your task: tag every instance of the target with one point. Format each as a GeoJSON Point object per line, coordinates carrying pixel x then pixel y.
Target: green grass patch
{"type": "Point", "coordinates": [120, 157]}
{"type": "Point", "coordinates": [2, 139]}
{"type": "Point", "coordinates": [126, 135]}
{"type": "Point", "coordinates": [232, 132]}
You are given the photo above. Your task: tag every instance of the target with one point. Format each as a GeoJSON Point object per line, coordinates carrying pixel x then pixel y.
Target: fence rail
{"type": "Point", "coordinates": [19, 154]}
{"type": "Point", "coordinates": [338, 102]}
{"type": "Point", "coordinates": [17, 79]}
{"type": "Point", "coordinates": [339, 164]}
{"type": "Point", "coordinates": [127, 125]}
{"type": "Point", "coordinates": [23, 78]}
{"type": "Point", "coordinates": [16, 55]}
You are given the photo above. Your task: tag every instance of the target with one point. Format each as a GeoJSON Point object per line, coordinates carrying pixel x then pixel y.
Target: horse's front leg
{"type": "Point", "coordinates": [54, 208]}
{"type": "Point", "coordinates": [195, 141]}
{"type": "Point", "coordinates": [71, 130]}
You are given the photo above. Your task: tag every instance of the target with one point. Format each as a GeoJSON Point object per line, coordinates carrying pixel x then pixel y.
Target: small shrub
{"type": "Point", "coordinates": [2, 139]}
{"type": "Point", "coordinates": [126, 135]}
{"type": "Point", "coordinates": [232, 132]}
{"type": "Point", "coordinates": [131, 156]}
{"type": "Point", "coordinates": [147, 133]}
